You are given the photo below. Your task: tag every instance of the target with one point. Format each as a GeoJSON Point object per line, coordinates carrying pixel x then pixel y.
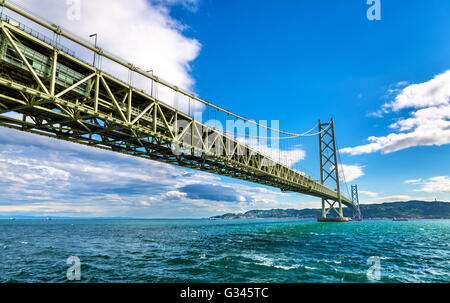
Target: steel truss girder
{"type": "Point", "coordinates": [137, 124]}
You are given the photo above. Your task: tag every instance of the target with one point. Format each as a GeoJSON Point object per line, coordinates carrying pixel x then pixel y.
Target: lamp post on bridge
{"type": "Point", "coordinates": [151, 88]}
{"type": "Point", "coordinates": [95, 53]}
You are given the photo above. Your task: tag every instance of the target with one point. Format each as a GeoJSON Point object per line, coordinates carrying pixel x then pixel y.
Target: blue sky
{"type": "Point", "coordinates": [293, 61]}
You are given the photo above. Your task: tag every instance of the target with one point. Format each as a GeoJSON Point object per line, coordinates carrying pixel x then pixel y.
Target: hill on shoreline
{"type": "Point", "coordinates": [410, 209]}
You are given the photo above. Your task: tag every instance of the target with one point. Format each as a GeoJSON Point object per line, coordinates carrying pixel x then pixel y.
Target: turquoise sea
{"type": "Point", "coordinates": [224, 251]}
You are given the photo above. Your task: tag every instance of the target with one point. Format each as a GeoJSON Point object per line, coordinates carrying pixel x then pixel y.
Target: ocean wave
{"type": "Point", "coordinates": [275, 263]}
{"type": "Point", "coordinates": [292, 252]}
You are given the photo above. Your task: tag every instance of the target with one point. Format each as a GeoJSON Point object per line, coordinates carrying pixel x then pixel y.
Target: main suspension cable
{"type": "Point", "coordinates": [306, 134]}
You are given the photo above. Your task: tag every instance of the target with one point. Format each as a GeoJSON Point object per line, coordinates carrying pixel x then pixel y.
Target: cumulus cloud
{"type": "Point", "coordinates": [434, 92]}
{"type": "Point", "coordinates": [351, 172]}
{"type": "Point", "coordinates": [428, 123]}
{"type": "Point", "coordinates": [141, 32]}
{"type": "Point", "coordinates": [439, 184]}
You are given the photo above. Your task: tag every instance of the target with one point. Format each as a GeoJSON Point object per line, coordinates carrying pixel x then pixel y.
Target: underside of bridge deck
{"type": "Point", "coordinates": [47, 91]}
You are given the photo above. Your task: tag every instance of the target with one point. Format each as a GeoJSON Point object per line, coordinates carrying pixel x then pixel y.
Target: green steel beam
{"type": "Point", "coordinates": [133, 123]}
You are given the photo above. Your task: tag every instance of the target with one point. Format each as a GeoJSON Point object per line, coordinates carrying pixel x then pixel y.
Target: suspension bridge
{"type": "Point", "coordinates": [45, 89]}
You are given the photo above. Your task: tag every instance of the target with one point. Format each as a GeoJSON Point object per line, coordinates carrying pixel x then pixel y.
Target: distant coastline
{"type": "Point", "coordinates": [388, 210]}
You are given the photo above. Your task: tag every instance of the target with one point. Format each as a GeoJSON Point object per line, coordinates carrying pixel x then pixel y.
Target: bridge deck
{"type": "Point", "coordinates": [61, 96]}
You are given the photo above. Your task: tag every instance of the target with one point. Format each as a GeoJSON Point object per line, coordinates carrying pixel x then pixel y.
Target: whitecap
{"type": "Point", "coordinates": [264, 260]}
{"type": "Point", "coordinates": [328, 261]}
{"type": "Point", "coordinates": [287, 267]}
{"type": "Point", "coordinates": [270, 262]}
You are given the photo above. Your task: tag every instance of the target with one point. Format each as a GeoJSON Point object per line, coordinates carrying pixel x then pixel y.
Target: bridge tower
{"type": "Point", "coordinates": [355, 201]}
{"type": "Point", "coordinates": [329, 172]}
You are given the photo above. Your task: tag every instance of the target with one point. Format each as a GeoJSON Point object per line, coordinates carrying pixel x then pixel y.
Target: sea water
{"type": "Point", "coordinates": [149, 251]}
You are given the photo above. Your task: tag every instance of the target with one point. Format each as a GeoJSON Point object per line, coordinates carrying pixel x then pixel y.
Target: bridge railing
{"type": "Point", "coordinates": [35, 33]}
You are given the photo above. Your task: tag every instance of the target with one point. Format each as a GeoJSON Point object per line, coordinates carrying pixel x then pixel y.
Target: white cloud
{"type": "Point", "coordinates": [190, 4]}
{"type": "Point", "coordinates": [30, 170]}
{"type": "Point", "coordinates": [439, 184]}
{"type": "Point", "coordinates": [414, 181]}
{"type": "Point", "coordinates": [402, 83]}
{"type": "Point", "coordinates": [351, 172]}
{"type": "Point", "coordinates": [368, 193]}
{"type": "Point", "coordinates": [427, 125]}
{"type": "Point", "coordinates": [139, 31]}
{"type": "Point", "coordinates": [43, 176]}
{"type": "Point", "coordinates": [434, 92]}
{"type": "Point", "coordinates": [174, 194]}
